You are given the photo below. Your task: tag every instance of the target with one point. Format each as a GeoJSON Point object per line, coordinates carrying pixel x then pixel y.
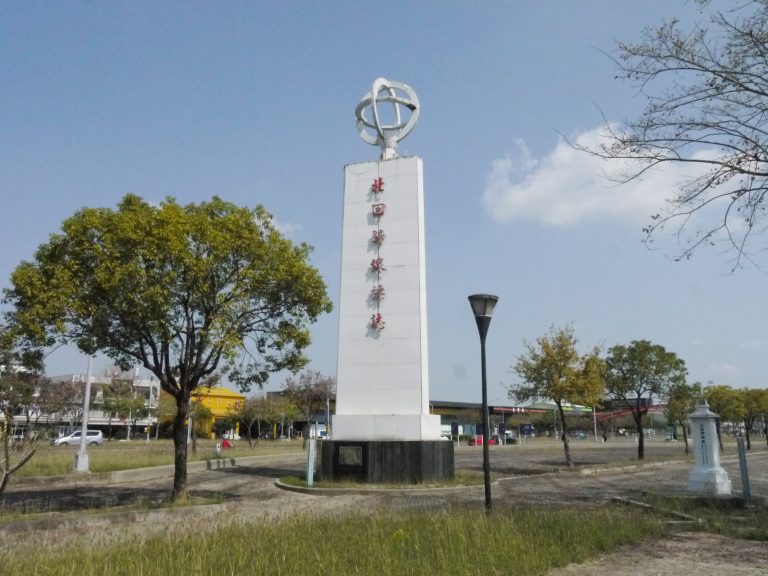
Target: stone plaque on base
{"type": "Point", "coordinates": [407, 462]}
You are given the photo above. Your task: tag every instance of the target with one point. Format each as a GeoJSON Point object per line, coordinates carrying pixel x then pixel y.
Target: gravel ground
{"type": "Point", "coordinates": [685, 554]}
{"type": "Point", "coordinates": [528, 475]}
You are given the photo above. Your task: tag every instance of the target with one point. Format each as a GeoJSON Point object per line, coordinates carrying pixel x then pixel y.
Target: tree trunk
{"type": "Point", "coordinates": [685, 437]}
{"type": "Point", "coordinates": [719, 436]}
{"type": "Point", "coordinates": [180, 449]}
{"type": "Point", "coordinates": [749, 422]}
{"type": "Point", "coordinates": [6, 470]}
{"type": "Point", "coordinates": [192, 431]}
{"type": "Point", "coordinates": [4, 481]}
{"type": "Point", "coordinates": [566, 445]}
{"type": "Point", "coordinates": [638, 418]}
{"type": "Point", "coordinates": [6, 464]}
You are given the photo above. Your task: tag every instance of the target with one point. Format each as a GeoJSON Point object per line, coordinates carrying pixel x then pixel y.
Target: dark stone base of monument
{"type": "Point", "coordinates": [373, 461]}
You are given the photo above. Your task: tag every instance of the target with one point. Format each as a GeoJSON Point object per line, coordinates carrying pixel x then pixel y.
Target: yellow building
{"type": "Point", "coordinates": [220, 401]}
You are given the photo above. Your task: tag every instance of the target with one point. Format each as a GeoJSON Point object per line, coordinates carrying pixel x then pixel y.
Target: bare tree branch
{"type": "Point", "coordinates": [706, 91]}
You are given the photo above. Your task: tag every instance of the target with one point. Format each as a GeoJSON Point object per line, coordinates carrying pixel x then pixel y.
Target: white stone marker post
{"type": "Point", "coordinates": [707, 478]}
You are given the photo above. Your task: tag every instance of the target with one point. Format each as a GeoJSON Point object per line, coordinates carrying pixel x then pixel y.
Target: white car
{"type": "Point", "coordinates": [92, 437]}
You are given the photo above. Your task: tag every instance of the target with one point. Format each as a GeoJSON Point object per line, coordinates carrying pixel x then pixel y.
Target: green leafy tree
{"type": "Point", "coordinates": [682, 399]}
{"type": "Point", "coordinates": [755, 401]}
{"type": "Point", "coordinates": [18, 383]}
{"type": "Point", "coordinates": [764, 419]}
{"type": "Point", "coordinates": [309, 393]}
{"type": "Point", "coordinates": [266, 413]}
{"type": "Point", "coordinates": [201, 417]}
{"type": "Point", "coordinates": [165, 411]}
{"type": "Point", "coordinates": [182, 290]}
{"type": "Point", "coordinates": [706, 87]}
{"type": "Point", "coordinates": [225, 424]}
{"type": "Point", "coordinates": [271, 410]}
{"type": "Point", "coordinates": [121, 401]}
{"type": "Point", "coordinates": [727, 403]}
{"type": "Point", "coordinates": [638, 375]}
{"type": "Point", "coordinates": [288, 413]}
{"type": "Point", "coordinates": [249, 414]}
{"type": "Point", "coordinates": [553, 368]}
{"type": "Point", "coordinates": [16, 390]}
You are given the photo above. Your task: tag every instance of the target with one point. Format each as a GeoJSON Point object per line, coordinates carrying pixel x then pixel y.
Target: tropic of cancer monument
{"type": "Point", "coordinates": [382, 430]}
{"type": "Point", "coordinates": [708, 477]}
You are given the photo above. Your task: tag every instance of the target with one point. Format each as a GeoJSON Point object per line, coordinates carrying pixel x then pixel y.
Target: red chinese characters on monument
{"type": "Point", "coordinates": [377, 264]}
{"type": "Point", "coordinates": [377, 322]}
{"type": "Point", "coordinates": [376, 295]}
{"type": "Point", "coordinates": [378, 185]}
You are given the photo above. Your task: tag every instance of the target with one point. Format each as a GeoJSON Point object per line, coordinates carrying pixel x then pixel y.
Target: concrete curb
{"type": "Point", "coordinates": [397, 491]}
{"type": "Point", "coordinates": [402, 491]}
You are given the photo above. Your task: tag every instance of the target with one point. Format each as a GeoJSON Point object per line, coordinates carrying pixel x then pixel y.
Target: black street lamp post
{"type": "Point", "coordinates": [482, 307]}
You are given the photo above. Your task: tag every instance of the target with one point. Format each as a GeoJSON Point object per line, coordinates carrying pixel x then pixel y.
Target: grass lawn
{"type": "Point", "coordinates": [456, 542]}
{"type": "Point", "coordinates": [121, 455]}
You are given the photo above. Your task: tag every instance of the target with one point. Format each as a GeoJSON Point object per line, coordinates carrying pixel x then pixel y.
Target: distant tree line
{"type": "Point", "coordinates": [636, 376]}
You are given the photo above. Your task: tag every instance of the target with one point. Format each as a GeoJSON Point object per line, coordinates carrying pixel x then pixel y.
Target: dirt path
{"type": "Point", "coordinates": [689, 554]}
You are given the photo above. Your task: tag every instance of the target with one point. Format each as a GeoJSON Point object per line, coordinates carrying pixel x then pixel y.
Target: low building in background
{"type": "Point", "coordinates": [222, 404]}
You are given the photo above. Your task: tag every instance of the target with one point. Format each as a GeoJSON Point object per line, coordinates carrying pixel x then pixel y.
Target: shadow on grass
{"type": "Point", "coordinates": [80, 498]}
{"type": "Point", "coordinates": [101, 497]}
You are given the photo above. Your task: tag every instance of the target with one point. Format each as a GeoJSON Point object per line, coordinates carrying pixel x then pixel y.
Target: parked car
{"type": "Point", "coordinates": [92, 437]}
{"type": "Point", "coordinates": [478, 441]}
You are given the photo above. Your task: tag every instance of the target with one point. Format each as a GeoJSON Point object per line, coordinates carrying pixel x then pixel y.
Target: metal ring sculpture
{"type": "Point", "coordinates": [387, 135]}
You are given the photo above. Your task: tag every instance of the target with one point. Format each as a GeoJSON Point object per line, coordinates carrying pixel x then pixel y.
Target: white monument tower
{"type": "Point", "coordinates": [382, 392]}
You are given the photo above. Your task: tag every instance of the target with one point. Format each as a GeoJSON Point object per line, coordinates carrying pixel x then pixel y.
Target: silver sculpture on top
{"type": "Point", "coordinates": [386, 136]}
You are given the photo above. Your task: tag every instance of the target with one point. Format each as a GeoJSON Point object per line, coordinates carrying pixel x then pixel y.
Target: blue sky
{"type": "Point", "coordinates": [254, 101]}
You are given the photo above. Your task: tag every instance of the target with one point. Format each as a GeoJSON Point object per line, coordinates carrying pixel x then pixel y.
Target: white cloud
{"type": "Point", "coordinates": [285, 228]}
{"type": "Point", "coordinates": [568, 186]}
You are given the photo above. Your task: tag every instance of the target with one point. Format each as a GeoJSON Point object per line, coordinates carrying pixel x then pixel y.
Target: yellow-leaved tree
{"type": "Point", "coordinates": [553, 368]}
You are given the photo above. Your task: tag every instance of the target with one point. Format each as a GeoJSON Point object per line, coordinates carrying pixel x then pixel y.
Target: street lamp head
{"type": "Point", "coordinates": [483, 304]}
{"type": "Point", "coordinates": [482, 308]}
